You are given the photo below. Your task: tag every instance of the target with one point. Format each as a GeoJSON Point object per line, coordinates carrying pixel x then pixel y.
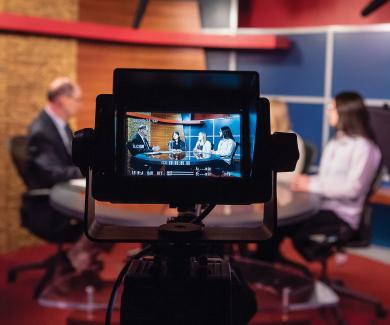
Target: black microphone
{"type": "Point", "coordinates": [372, 6]}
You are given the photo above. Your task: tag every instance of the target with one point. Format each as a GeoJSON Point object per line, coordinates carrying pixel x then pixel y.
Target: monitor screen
{"type": "Point", "coordinates": [183, 144]}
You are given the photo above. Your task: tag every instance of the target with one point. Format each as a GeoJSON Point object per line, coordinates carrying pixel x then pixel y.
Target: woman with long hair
{"type": "Point", "coordinates": [202, 145]}
{"type": "Point", "coordinates": [176, 143]}
{"type": "Point", "coordinates": [280, 122]}
{"type": "Point", "coordinates": [349, 164]}
{"type": "Point", "coordinates": [226, 145]}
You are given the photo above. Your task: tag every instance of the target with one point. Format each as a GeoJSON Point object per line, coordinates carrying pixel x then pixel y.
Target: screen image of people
{"type": "Point", "coordinates": [202, 145]}
{"type": "Point", "coordinates": [183, 144]}
{"type": "Point", "coordinates": [226, 145]}
{"type": "Point", "coordinates": [139, 143]}
{"type": "Point", "coordinates": [176, 144]}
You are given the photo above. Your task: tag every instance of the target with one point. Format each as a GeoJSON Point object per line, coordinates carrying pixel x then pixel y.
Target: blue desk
{"type": "Point", "coordinates": [178, 163]}
{"type": "Point", "coordinates": [183, 158]}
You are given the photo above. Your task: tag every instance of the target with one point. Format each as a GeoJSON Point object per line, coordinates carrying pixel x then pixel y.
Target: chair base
{"type": "Point", "coordinates": [13, 272]}
{"type": "Point", "coordinates": [285, 261]}
{"type": "Point", "coordinates": [49, 264]}
{"type": "Point", "coordinates": [380, 310]}
{"type": "Point", "coordinates": [338, 286]}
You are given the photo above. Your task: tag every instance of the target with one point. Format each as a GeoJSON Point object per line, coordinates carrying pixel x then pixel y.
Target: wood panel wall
{"type": "Point", "coordinates": [96, 61]}
{"type": "Point", "coordinates": [161, 134]}
{"type": "Point", "coordinates": [27, 65]}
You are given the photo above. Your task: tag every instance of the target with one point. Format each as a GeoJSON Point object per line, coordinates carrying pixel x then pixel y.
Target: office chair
{"type": "Point", "coordinates": [310, 156]}
{"type": "Point", "coordinates": [18, 151]}
{"type": "Point", "coordinates": [316, 249]}
{"type": "Point", "coordinates": [232, 158]}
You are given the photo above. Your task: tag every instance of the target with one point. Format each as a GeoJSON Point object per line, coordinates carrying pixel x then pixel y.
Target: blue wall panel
{"type": "Point", "coordinates": [381, 225]}
{"type": "Point", "coordinates": [298, 71]}
{"type": "Point", "coordinates": [362, 63]}
{"type": "Point", "coordinates": [306, 120]}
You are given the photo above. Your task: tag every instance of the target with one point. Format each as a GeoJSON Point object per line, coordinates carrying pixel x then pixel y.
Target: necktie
{"type": "Point", "coordinates": [69, 136]}
{"type": "Point", "coordinates": [146, 144]}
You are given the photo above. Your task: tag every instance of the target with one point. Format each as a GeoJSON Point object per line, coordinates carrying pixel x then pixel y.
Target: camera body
{"type": "Point", "coordinates": [201, 295]}
{"type": "Point", "coordinates": [179, 289]}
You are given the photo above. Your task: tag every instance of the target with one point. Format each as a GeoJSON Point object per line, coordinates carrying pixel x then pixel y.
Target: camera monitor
{"type": "Point", "coordinates": [179, 129]}
{"type": "Point", "coordinates": [181, 137]}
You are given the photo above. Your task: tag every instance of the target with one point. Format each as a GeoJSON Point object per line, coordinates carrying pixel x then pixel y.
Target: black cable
{"type": "Point", "coordinates": [118, 282]}
{"type": "Point", "coordinates": [204, 214]}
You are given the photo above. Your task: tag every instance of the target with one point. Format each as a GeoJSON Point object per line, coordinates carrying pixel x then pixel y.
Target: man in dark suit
{"type": "Point", "coordinates": [139, 143]}
{"type": "Point", "coordinates": [50, 138]}
{"type": "Point", "coordinates": [49, 162]}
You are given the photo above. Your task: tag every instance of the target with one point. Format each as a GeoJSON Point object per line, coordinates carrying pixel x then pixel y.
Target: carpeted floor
{"type": "Point", "coordinates": [18, 307]}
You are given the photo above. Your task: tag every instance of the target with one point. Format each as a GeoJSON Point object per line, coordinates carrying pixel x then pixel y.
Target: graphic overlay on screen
{"type": "Point", "coordinates": [183, 144]}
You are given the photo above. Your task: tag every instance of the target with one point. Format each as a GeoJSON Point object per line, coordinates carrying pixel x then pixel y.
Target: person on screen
{"type": "Point", "coordinates": [348, 166]}
{"type": "Point", "coordinates": [139, 143]}
{"type": "Point", "coordinates": [176, 144]}
{"type": "Point", "coordinates": [280, 122]}
{"type": "Point", "coordinates": [226, 145]}
{"type": "Point", "coordinates": [202, 145]}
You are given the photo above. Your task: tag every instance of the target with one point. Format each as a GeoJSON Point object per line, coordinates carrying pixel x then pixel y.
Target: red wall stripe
{"type": "Point", "coordinates": [107, 33]}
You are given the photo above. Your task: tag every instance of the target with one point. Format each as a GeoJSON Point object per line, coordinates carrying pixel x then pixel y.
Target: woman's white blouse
{"type": "Point", "coordinates": [347, 169]}
{"type": "Point", "coordinates": [206, 146]}
{"type": "Point", "coordinates": [226, 148]}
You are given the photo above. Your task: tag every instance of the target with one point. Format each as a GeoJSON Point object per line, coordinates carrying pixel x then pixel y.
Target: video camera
{"type": "Point", "coordinates": [188, 139]}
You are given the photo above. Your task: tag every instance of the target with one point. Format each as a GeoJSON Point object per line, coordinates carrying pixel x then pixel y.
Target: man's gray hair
{"type": "Point", "coordinates": [60, 86]}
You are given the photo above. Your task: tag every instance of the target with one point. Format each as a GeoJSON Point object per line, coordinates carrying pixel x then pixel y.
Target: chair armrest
{"type": "Point", "coordinates": [38, 192]}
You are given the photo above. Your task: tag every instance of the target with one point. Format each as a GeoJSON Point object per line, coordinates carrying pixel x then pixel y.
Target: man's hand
{"type": "Point", "coordinates": [156, 148]}
{"type": "Point", "coordinates": [300, 183]}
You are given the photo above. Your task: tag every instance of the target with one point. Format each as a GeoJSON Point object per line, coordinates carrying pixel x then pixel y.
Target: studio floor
{"type": "Point", "coordinates": [363, 273]}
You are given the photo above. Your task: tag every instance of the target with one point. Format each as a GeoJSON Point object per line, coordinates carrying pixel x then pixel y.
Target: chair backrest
{"type": "Point", "coordinates": [234, 152]}
{"type": "Point", "coordinates": [310, 156]}
{"type": "Point", "coordinates": [362, 237]}
{"type": "Point", "coordinates": [18, 151]}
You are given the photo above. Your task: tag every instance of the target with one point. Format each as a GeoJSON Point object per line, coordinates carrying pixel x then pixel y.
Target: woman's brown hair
{"type": "Point", "coordinates": [354, 119]}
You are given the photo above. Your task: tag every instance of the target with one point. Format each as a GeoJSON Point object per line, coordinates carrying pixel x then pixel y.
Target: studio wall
{"type": "Point", "coordinates": [27, 65]}
{"type": "Point", "coordinates": [96, 61]}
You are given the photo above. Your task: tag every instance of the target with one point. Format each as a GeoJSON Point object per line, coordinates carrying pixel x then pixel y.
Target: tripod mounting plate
{"type": "Point", "coordinates": [180, 230]}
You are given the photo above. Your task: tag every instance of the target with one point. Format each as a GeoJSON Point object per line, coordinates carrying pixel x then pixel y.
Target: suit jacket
{"type": "Point", "coordinates": [48, 160]}
{"type": "Point", "coordinates": [137, 145]}
{"type": "Point", "coordinates": [48, 163]}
